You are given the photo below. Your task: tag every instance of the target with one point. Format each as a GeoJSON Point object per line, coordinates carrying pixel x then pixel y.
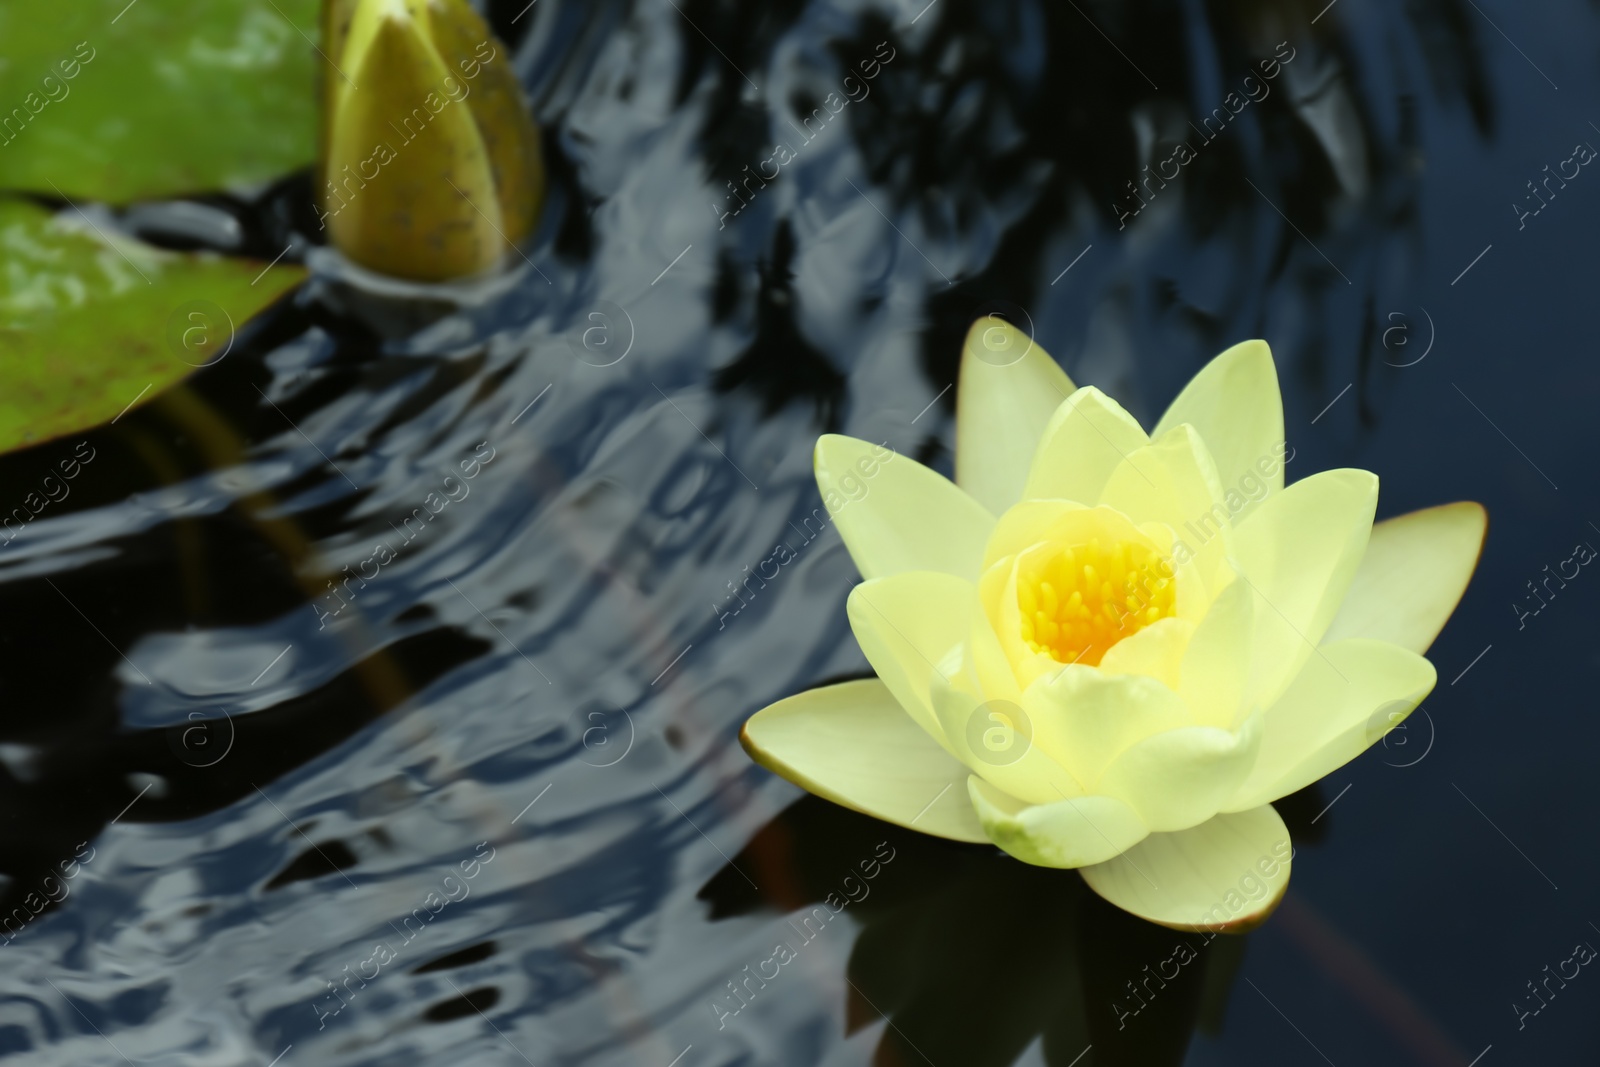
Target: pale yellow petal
{"type": "Point", "coordinates": [1413, 574]}
{"type": "Point", "coordinates": [1098, 716]}
{"type": "Point", "coordinates": [1033, 521]}
{"type": "Point", "coordinates": [997, 593]}
{"type": "Point", "coordinates": [1008, 389]}
{"type": "Point", "coordinates": [1216, 662]}
{"type": "Point", "coordinates": [1173, 481]}
{"type": "Point", "coordinates": [1227, 874]}
{"type": "Point", "coordinates": [1087, 437]}
{"type": "Point", "coordinates": [1065, 833]}
{"type": "Point", "coordinates": [1299, 551]}
{"type": "Point", "coordinates": [905, 625]}
{"type": "Point", "coordinates": [1198, 579]}
{"type": "Point", "coordinates": [1157, 651]}
{"type": "Point", "coordinates": [1179, 778]}
{"type": "Point", "coordinates": [1344, 699]}
{"type": "Point", "coordinates": [896, 515]}
{"type": "Point", "coordinates": [852, 744]}
{"type": "Point", "coordinates": [989, 658]}
{"type": "Point", "coordinates": [1235, 405]}
{"type": "Point", "coordinates": [997, 738]}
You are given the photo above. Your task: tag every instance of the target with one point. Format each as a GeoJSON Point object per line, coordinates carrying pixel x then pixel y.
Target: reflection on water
{"type": "Point", "coordinates": [282, 670]}
{"type": "Point", "coordinates": [970, 955]}
{"type": "Point", "coordinates": [966, 951]}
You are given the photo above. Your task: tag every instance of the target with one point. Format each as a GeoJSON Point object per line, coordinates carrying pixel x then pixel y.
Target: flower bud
{"type": "Point", "coordinates": [429, 164]}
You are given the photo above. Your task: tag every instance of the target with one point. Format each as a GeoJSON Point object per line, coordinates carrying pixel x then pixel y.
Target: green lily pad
{"type": "Point", "coordinates": [118, 101]}
{"type": "Point", "coordinates": [93, 323]}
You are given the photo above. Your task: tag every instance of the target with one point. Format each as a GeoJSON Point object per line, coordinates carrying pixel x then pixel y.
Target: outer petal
{"type": "Point", "coordinates": [1226, 874]}
{"type": "Point", "coordinates": [1235, 405]}
{"type": "Point", "coordinates": [1343, 700]}
{"type": "Point", "coordinates": [1415, 570]}
{"type": "Point", "coordinates": [1009, 388]}
{"type": "Point", "coordinates": [1088, 436]}
{"type": "Point", "coordinates": [496, 102]}
{"type": "Point", "coordinates": [1065, 833]}
{"type": "Point", "coordinates": [852, 744]}
{"type": "Point", "coordinates": [905, 626]}
{"type": "Point", "coordinates": [432, 222]}
{"type": "Point", "coordinates": [1180, 778]}
{"type": "Point", "coordinates": [896, 515]}
{"type": "Point", "coordinates": [1300, 551]}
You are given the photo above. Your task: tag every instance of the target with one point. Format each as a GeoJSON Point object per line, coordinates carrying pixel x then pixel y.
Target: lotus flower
{"type": "Point", "coordinates": [430, 165]}
{"type": "Point", "coordinates": [1110, 650]}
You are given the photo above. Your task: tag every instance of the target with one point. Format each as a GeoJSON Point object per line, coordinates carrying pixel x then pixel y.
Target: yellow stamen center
{"type": "Point", "coordinates": [1079, 600]}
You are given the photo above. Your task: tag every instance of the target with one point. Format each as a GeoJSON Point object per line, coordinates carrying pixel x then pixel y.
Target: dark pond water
{"type": "Point", "coordinates": [507, 752]}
